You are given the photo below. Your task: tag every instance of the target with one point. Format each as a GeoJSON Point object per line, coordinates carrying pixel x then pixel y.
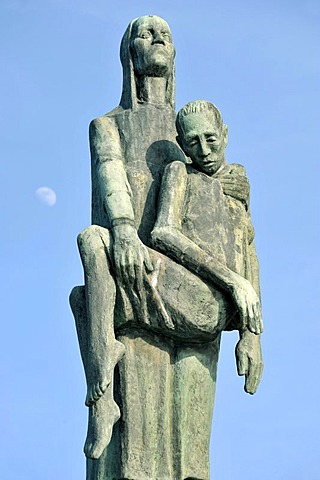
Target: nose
{"type": "Point", "coordinates": [204, 150]}
{"type": "Point", "coordinates": [158, 38]}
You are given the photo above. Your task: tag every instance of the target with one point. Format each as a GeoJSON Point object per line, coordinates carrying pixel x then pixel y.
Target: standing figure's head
{"type": "Point", "coordinates": [202, 135]}
{"type": "Point", "coordinates": [146, 50]}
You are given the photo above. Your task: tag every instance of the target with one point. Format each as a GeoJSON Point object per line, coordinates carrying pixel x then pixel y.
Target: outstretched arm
{"type": "Point", "coordinates": [168, 238]}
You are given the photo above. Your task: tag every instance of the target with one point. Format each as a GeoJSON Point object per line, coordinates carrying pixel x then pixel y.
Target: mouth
{"type": "Point", "coordinates": [209, 164]}
{"type": "Point", "coordinates": [209, 167]}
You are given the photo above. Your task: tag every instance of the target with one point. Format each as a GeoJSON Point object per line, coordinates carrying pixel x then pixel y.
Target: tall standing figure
{"type": "Point", "coordinates": [148, 323]}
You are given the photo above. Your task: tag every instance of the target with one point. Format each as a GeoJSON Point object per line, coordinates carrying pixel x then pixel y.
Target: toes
{"type": "Point", "coordinates": [93, 452]}
{"type": "Point", "coordinates": [89, 398]}
{"type": "Point", "coordinates": [96, 451]}
{"type": "Point", "coordinates": [87, 449]}
{"type": "Point", "coordinates": [103, 386]}
{"type": "Point", "coordinates": [95, 392]}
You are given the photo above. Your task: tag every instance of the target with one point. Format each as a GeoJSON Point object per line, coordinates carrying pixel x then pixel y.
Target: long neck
{"type": "Point", "coordinates": [152, 90]}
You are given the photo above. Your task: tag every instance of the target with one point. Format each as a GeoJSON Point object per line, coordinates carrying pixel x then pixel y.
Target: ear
{"type": "Point", "coordinates": [180, 143]}
{"type": "Point", "coordinates": [225, 134]}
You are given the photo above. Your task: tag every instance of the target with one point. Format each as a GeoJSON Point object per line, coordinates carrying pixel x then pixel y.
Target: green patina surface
{"type": "Point", "coordinates": [169, 264]}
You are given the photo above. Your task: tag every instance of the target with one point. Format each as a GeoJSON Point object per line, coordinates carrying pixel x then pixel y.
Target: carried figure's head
{"type": "Point", "coordinates": [202, 135]}
{"type": "Point", "coordinates": [146, 51]}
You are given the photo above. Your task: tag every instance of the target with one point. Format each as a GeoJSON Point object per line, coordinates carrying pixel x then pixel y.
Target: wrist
{"type": "Point", "coordinates": [123, 228]}
{"type": "Point", "coordinates": [235, 284]}
{"type": "Point", "coordinates": [116, 222]}
{"type": "Point", "coordinates": [245, 334]}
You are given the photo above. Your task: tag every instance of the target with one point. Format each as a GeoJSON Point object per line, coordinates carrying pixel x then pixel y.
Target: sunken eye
{"type": "Point", "coordinates": [145, 34]}
{"type": "Point", "coordinates": [211, 140]}
{"type": "Point", "coordinates": [167, 36]}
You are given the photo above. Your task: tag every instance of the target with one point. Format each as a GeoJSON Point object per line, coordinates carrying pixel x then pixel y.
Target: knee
{"type": "Point", "coordinates": [90, 240]}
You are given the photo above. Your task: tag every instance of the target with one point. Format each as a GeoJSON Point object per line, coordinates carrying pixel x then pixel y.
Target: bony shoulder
{"type": "Point", "coordinates": [104, 135]}
{"type": "Point", "coordinates": [237, 168]}
{"type": "Point", "coordinates": [101, 123]}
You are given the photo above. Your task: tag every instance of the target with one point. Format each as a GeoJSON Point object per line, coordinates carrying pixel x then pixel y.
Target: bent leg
{"type": "Point", "coordinates": [193, 310]}
{"type": "Point", "coordinates": [93, 309]}
{"type": "Point", "coordinates": [103, 350]}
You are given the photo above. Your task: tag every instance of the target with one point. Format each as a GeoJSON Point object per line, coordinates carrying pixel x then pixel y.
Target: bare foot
{"type": "Point", "coordinates": [102, 416]}
{"type": "Point", "coordinates": [102, 379]}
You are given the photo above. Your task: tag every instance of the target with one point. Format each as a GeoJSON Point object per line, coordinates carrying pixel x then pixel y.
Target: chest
{"type": "Point", "coordinates": [215, 222]}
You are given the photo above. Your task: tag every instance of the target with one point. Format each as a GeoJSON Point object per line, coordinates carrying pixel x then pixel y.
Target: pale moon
{"type": "Point", "coordinates": [46, 195]}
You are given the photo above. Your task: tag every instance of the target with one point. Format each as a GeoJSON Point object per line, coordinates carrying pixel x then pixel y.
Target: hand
{"type": "Point", "coordinates": [248, 304]}
{"type": "Point", "coordinates": [131, 257]}
{"type": "Point", "coordinates": [236, 186]}
{"type": "Point", "coordinates": [249, 361]}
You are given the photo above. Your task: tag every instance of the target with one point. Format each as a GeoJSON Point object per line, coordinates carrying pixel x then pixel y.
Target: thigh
{"type": "Point", "coordinates": [199, 312]}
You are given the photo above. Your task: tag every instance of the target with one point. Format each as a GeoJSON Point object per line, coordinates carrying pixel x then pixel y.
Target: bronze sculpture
{"type": "Point", "coordinates": [150, 316]}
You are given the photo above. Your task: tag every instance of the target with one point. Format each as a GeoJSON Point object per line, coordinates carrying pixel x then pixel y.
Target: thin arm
{"type": "Point", "coordinates": [168, 238]}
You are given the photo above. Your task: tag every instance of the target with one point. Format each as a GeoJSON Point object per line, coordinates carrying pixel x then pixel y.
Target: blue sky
{"type": "Point", "coordinates": [259, 63]}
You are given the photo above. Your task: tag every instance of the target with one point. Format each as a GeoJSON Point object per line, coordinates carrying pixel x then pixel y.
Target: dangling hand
{"type": "Point", "coordinates": [249, 360]}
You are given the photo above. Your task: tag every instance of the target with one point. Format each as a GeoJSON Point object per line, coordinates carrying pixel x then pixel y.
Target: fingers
{"type": "Point", "coordinates": [147, 260]}
{"type": "Point", "coordinates": [125, 263]}
{"type": "Point", "coordinates": [249, 362]}
{"type": "Point", "coordinates": [94, 393]}
{"type": "Point", "coordinates": [128, 267]}
{"type": "Point", "coordinates": [241, 360]}
{"type": "Point", "coordinates": [117, 263]}
{"type": "Point", "coordinates": [131, 262]}
{"type": "Point", "coordinates": [138, 267]}
{"type": "Point", "coordinates": [260, 322]}
{"type": "Point", "coordinates": [251, 317]}
{"type": "Point", "coordinates": [250, 312]}
{"type": "Point", "coordinates": [242, 365]}
{"type": "Point", "coordinates": [253, 377]}
{"type": "Point", "coordinates": [243, 311]}
{"type": "Point", "coordinates": [255, 324]}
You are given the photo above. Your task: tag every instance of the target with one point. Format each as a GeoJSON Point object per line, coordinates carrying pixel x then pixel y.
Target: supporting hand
{"type": "Point", "coordinates": [235, 185]}
{"type": "Point", "coordinates": [249, 360]}
{"type": "Point", "coordinates": [131, 257]}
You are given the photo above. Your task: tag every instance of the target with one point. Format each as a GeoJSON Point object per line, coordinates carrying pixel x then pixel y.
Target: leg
{"type": "Point", "coordinates": [100, 351]}
{"type": "Point", "coordinates": [184, 306]}
{"type": "Point", "coordinates": [103, 350]}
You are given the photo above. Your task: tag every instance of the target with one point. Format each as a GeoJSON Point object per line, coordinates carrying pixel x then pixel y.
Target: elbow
{"type": "Point", "coordinates": [163, 238]}
{"type": "Point", "coordinates": [160, 237]}
{"type": "Point", "coordinates": [157, 236]}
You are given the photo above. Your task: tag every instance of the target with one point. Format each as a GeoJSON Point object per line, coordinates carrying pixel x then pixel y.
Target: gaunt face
{"type": "Point", "coordinates": [204, 141]}
{"type": "Point", "coordinates": [151, 47]}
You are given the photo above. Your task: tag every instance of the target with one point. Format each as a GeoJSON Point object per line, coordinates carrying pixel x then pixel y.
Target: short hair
{"type": "Point", "coordinates": [198, 106]}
